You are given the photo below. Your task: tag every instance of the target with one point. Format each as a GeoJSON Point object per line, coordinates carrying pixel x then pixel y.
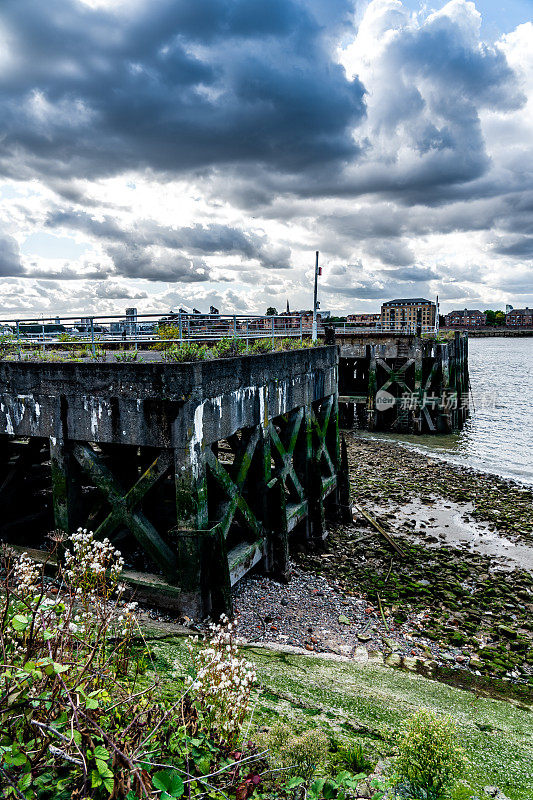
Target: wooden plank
{"type": "Point", "coordinates": [380, 530]}
{"type": "Point", "coordinates": [243, 558]}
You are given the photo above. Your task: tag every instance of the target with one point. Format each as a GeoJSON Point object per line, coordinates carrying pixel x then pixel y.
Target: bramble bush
{"type": "Point", "coordinates": [79, 717]}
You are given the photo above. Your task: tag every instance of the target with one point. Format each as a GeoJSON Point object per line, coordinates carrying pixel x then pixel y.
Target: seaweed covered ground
{"type": "Point", "coordinates": [479, 605]}
{"type": "Point", "coordinates": [367, 703]}
{"type": "Point", "coordinates": [383, 472]}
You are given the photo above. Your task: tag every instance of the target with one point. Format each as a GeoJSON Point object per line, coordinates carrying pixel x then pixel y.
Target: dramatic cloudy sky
{"type": "Point", "coordinates": [161, 153]}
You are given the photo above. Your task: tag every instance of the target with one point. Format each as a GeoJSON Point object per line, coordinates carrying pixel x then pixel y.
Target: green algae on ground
{"type": "Point", "coordinates": [385, 471]}
{"type": "Point", "coordinates": [464, 602]}
{"type": "Point", "coordinates": [371, 702]}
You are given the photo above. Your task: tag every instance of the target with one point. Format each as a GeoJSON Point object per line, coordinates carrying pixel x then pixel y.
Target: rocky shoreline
{"type": "Point", "coordinates": [446, 604]}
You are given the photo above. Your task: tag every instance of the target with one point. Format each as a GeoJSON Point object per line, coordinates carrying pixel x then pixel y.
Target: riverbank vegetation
{"type": "Point", "coordinates": [168, 349]}
{"type": "Point", "coordinates": [92, 706]}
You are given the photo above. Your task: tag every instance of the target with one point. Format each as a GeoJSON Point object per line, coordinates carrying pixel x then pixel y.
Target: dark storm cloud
{"type": "Point", "coordinates": [112, 291]}
{"type": "Point", "coordinates": [394, 252]}
{"type": "Point", "coordinates": [131, 249]}
{"type": "Point", "coordinates": [66, 274]}
{"type": "Point", "coordinates": [414, 274]}
{"type": "Point", "coordinates": [132, 261]}
{"type": "Point", "coordinates": [521, 247]}
{"type": "Point", "coordinates": [10, 264]}
{"type": "Point", "coordinates": [171, 85]}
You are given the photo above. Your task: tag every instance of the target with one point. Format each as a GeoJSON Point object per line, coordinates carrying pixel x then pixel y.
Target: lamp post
{"type": "Point", "coordinates": [318, 271]}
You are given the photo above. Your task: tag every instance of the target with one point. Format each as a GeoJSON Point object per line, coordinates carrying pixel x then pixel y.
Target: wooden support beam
{"type": "Point", "coordinates": [65, 487]}
{"type": "Point", "coordinates": [372, 389]}
{"type": "Point", "coordinates": [380, 530]}
{"type": "Point", "coordinates": [345, 512]}
{"type": "Point", "coordinates": [278, 531]}
{"type": "Point", "coordinates": [123, 510]}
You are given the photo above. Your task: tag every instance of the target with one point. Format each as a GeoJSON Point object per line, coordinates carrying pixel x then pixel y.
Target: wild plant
{"type": "Point", "coordinates": [7, 345]}
{"type": "Point", "coordinates": [64, 688]}
{"type": "Point", "coordinates": [229, 348]}
{"type": "Point", "coordinates": [261, 346]}
{"type": "Point", "coordinates": [294, 343]}
{"type": "Point", "coordinates": [186, 352]}
{"type": "Point", "coordinates": [430, 761]}
{"type": "Point", "coordinates": [302, 755]}
{"type": "Point", "coordinates": [128, 356]}
{"type": "Point", "coordinates": [79, 716]}
{"type": "Point", "coordinates": [222, 682]}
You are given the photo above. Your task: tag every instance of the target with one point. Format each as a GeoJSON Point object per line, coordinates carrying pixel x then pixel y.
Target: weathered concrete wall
{"type": "Point", "coordinates": [206, 468]}
{"type": "Point", "coordinates": [160, 405]}
{"type": "Point", "coordinates": [385, 346]}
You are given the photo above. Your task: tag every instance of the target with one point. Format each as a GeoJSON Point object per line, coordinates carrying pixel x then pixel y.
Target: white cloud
{"type": "Point", "coordinates": [432, 194]}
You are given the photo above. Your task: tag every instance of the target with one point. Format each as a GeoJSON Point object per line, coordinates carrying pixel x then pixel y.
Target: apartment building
{"type": "Point", "coordinates": [467, 318]}
{"type": "Point", "coordinates": [408, 312]}
{"type": "Point", "coordinates": [519, 318]}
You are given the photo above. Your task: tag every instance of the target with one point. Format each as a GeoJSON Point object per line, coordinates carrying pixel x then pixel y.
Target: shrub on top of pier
{"type": "Point", "coordinates": [186, 352]}
{"type": "Point", "coordinates": [229, 348]}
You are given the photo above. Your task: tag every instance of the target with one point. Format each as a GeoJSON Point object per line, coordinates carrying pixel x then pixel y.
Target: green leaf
{"type": "Point", "coordinates": [91, 703]}
{"type": "Point", "coordinates": [329, 790]}
{"type": "Point", "coordinates": [20, 622]}
{"type": "Point", "coordinates": [103, 769]}
{"type": "Point", "coordinates": [24, 782]}
{"type": "Point", "coordinates": [16, 760]}
{"type": "Point", "coordinates": [294, 782]}
{"type": "Point", "coordinates": [96, 779]}
{"type": "Point", "coordinates": [169, 781]}
{"type": "Point", "coordinates": [101, 753]}
{"type": "Point", "coordinates": [315, 789]}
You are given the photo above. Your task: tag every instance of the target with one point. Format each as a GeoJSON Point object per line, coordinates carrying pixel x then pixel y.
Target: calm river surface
{"type": "Point", "coordinates": [498, 437]}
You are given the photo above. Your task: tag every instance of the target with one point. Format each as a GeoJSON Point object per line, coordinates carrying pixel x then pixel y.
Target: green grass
{"type": "Point", "coordinates": [369, 703]}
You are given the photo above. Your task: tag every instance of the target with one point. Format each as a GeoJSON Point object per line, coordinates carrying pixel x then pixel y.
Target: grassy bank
{"type": "Point", "coordinates": [368, 703]}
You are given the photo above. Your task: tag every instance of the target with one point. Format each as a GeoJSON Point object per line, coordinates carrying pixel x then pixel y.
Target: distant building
{"type": "Point", "coordinates": [307, 317]}
{"type": "Point", "coordinates": [467, 318]}
{"type": "Point", "coordinates": [47, 328]}
{"type": "Point", "coordinates": [128, 325]}
{"type": "Point", "coordinates": [408, 312]}
{"type": "Point", "coordinates": [364, 320]}
{"type": "Point", "coordinates": [519, 318]}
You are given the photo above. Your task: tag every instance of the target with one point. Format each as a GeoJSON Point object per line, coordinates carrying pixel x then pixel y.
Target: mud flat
{"type": "Point", "coordinates": [466, 572]}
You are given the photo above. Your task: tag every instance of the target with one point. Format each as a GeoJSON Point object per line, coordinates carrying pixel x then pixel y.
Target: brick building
{"type": "Point", "coordinates": [468, 318]}
{"type": "Point", "coordinates": [519, 318]}
{"type": "Point", "coordinates": [408, 312]}
{"type": "Point", "coordinates": [363, 320]}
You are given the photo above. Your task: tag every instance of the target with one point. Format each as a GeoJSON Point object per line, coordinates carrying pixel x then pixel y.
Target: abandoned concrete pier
{"type": "Point", "coordinates": [402, 383]}
{"type": "Point", "coordinates": [198, 472]}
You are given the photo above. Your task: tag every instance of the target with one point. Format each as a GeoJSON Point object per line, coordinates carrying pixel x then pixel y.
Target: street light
{"type": "Point", "coordinates": [318, 271]}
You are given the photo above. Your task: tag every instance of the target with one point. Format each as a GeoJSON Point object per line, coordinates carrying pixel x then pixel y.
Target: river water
{"type": "Point", "coordinates": [498, 436]}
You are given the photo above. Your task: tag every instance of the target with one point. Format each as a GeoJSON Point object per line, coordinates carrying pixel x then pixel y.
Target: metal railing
{"type": "Point", "coordinates": [154, 328]}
